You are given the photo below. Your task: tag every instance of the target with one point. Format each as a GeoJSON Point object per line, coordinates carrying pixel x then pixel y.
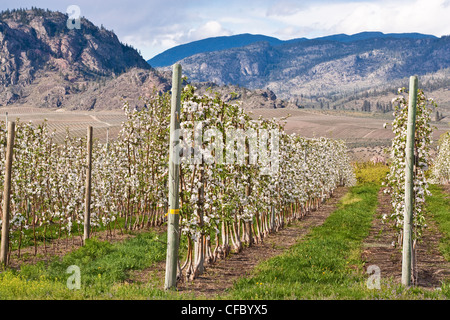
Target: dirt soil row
{"type": "Point", "coordinates": [221, 276]}
{"type": "Point", "coordinates": [379, 250]}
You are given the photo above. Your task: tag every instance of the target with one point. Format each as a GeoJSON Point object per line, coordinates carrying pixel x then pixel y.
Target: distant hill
{"type": "Point", "coordinates": [170, 56]}
{"type": "Point", "coordinates": [328, 70]}
{"type": "Point", "coordinates": [375, 35]}
{"type": "Point", "coordinates": [45, 64]}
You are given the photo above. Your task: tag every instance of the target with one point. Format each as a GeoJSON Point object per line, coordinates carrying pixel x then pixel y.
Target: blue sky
{"type": "Point", "coordinates": [156, 25]}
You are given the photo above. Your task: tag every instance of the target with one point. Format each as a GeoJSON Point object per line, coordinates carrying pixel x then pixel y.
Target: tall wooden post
{"type": "Point", "coordinates": [272, 218]}
{"type": "Point", "coordinates": [87, 203]}
{"type": "Point", "coordinates": [7, 193]}
{"type": "Point", "coordinates": [173, 228]}
{"type": "Point", "coordinates": [409, 183]}
{"type": "Point", "coordinates": [249, 224]}
{"type": "Point", "coordinates": [107, 139]}
{"type": "Point", "coordinates": [199, 247]}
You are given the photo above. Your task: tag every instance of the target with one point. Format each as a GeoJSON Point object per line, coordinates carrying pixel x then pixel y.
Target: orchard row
{"type": "Point", "coordinates": [224, 204]}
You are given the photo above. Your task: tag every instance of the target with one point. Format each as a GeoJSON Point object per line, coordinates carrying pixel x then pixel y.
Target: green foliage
{"type": "Point", "coordinates": [438, 206]}
{"type": "Point", "coordinates": [325, 265]}
{"type": "Point", "coordinates": [19, 287]}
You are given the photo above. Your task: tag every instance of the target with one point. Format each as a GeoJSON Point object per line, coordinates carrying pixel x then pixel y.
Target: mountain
{"type": "Point", "coordinates": [177, 53]}
{"type": "Point", "coordinates": [169, 57]}
{"type": "Point", "coordinates": [326, 68]}
{"type": "Point", "coordinates": [374, 35]}
{"type": "Point", "coordinates": [46, 64]}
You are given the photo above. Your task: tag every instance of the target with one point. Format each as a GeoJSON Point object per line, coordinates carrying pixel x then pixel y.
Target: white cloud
{"type": "Point", "coordinates": [285, 8]}
{"type": "Point", "coordinates": [207, 30]}
{"type": "Point", "coordinates": [176, 34]}
{"type": "Point", "coordinates": [424, 16]}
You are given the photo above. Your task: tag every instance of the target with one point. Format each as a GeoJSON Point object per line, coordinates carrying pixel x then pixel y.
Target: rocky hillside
{"type": "Point", "coordinates": [235, 94]}
{"type": "Point", "coordinates": [248, 99]}
{"type": "Point", "coordinates": [46, 64]}
{"type": "Point", "coordinates": [328, 68]}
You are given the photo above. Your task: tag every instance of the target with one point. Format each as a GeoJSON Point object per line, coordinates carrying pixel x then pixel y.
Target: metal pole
{"type": "Point", "coordinates": [7, 193]}
{"type": "Point", "coordinates": [409, 183]}
{"type": "Point", "coordinates": [87, 203]}
{"type": "Point", "coordinates": [174, 181]}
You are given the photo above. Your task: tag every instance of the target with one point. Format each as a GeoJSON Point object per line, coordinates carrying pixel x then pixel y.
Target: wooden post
{"type": "Point", "coordinates": [87, 203]}
{"type": "Point", "coordinates": [173, 236]}
{"type": "Point", "coordinates": [409, 183]}
{"type": "Point", "coordinates": [7, 193]}
{"type": "Point", "coordinates": [248, 234]}
{"type": "Point", "coordinates": [107, 139]}
{"type": "Point", "coordinates": [199, 247]}
{"type": "Point", "coordinates": [272, 218]}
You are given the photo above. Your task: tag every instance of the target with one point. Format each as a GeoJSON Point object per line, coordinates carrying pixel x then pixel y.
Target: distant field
{"type": "Point", "coordinates": [76, 121]}
{"type": "Point", "coordinates": [363, 133]}
{"type": "Point", "coordinates": [311, 124]}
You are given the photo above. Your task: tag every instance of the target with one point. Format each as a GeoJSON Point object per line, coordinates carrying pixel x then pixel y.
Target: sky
{"type": "Point", "coordinates": [157, 25]}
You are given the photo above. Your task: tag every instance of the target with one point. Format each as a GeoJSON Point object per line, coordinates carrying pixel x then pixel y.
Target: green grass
{"type": "Point", "coordinates": [318, 267]}
{"type": "Point", "coordinates": [327, 264]}
{"type": "Point", "coordinates": [438, 206]}
{"type": "Point", "coordinates": [103, 268]}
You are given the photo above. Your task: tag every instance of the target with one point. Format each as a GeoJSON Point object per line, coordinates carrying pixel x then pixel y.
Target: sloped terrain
{"type": "Point", "coordinates": [327, 69]}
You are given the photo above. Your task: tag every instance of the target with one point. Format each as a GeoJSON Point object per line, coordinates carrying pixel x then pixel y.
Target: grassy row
{"type": "Point", "coordinates": [328, 265]}
{"type": "Point", "coordinates": [104, 267]}
{"type": "Point", "coordinates": [438, 205]}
